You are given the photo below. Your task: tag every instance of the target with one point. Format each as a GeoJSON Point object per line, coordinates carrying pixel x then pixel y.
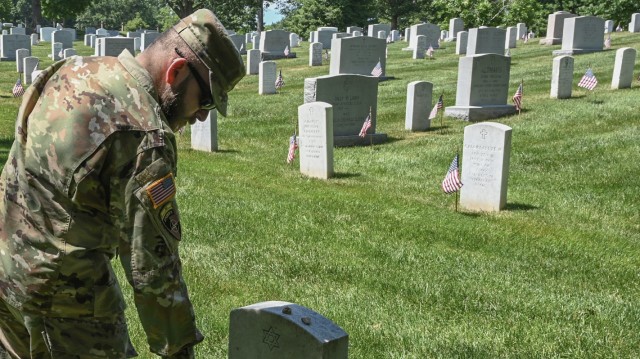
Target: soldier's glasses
{"type": "Point", "coordinates": [206, 103]}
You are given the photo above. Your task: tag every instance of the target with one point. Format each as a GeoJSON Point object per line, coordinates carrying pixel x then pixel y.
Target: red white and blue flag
{"type": "Point", "coordinates": [293, 146]}
{"type": "Point", "coordinates": [517, 98]}
{"type": "Point", "coordinates": [435, 109]}
{"type": "Point", "coordinates": [365, 126]}
{"type": "Point", "coordinates": [451, 182]}
{"type": "Point", "coordinates": [377, 70]}
{"type": "Point", "coordinates": [162, 190]}
{"type": "Point", "coordinates": [589, 80]}
{"type": "Point", "coordinates": [18, 89]}
{"type": "Point", "coordinates": [279, 81]}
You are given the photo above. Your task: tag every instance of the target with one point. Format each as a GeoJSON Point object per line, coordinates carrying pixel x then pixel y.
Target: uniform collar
{"type": "Point", "coordinates": [138, 72]}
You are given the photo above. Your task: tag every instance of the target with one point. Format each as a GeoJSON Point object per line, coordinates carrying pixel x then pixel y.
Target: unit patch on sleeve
{"type": "Point", "coordinates": [162, 190]}
{"type": "Point", "coordinates": [170, 220]}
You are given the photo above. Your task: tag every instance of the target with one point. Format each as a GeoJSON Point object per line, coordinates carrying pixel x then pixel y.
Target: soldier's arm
{"type": "Point", "coordinates": [149, 253]}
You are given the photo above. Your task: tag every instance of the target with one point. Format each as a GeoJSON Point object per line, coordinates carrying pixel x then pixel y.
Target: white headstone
{"type": "Point", "coordinates": [10, 43]}
{"type": "Point", "coordinates": [522, 30]}
{"type": "Point", "coordinates": [510, 42]}
{"type": "Point", "coordinates": [113, 46]}
{"type": "Point", "coordinates": [372, 30]}
{"type": "Point", "coordinates": [69, 52]}
{"type": "Point", "coordinates": [315, 122]}
{"type": "Point", "coordinates": [136, 43]}
{"type": "Point", "coordinates": [29, 65]}
{"type": "Point", "coordinates": [294, 40]}
{"type": "Point", "coordinates": [581, 35]}
{"type": "Point", "coordinates": [623, 68]}
{"type": "Point", "coordinates": [419, 97]}
{"type": "Point", "coordinates": [351, 29]}
{"type": "Point", "coordinates": [56, 51]}
{"type": "Point", "coordinates": [482, 90]}
{"type": "Point", "coordinates": [608, 26]}
{"type": "Point", "coordinates": [485, 166]}
{"type": "Point", "coordinates": [461, 44]}
{"type": "Point", "coordinates": [20, 55]}
{"type": "Point", "coordinates": [45, 33]}
{"type": "Point", "coordinates": [64, 37]}
{"type": "Point", "coordinates": [455, 25]}
{"type": "Point", "coordinates": [18, 31]}
{"type": "Point", "coordinates": [352, 97]}
{"type": "Point", "coordinates": [555, 27]}
{"type": "Point", "coordinates": [34, 39]}
{"type": "Point", "coordinates": [324, 36]}
{"type": "Point", "coordinates": [267, 78]}
{"type": "Point", "coordinates": [487, 40]}
{"type": "Point", "coordinates": [634, 25]}
{"type": "Point", "coordinates": [315, 54]}
{"type": "Point", "coordinates": [395, 35]}
{"type": "Point", "coordinates": [204, 134]}
{"type": "Point", "coordinates": [357, 55]}
{"type": "Point", "coordinates": [282, 330]}
{"type": "Point", "coordinates": [420, 46]}
{"type": "Point", "coordinates": [382, 34]}
{"type": "Point", "coordinates": [407, 34]}
{"type": "Point", "coordinates": [147, 38]}
{"type": "Point", "coordinates": [430, 31]}
{"type": "Point", "coordinates": [253, 62]}
{"type": "Point", "coordinates": [562, 77]}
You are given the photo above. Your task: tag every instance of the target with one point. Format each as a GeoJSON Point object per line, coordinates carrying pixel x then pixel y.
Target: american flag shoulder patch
{"type": "Point", "coordinates": [162, 190]}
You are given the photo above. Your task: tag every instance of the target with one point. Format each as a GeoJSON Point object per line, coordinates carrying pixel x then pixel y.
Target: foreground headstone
{"type": "Point", "coordinates": [315, 122]}
{"type": "Point", "coordinates": [483, 85]}
{"type": "Point", "coordinates": [419, 97]}
{"type": "Point", "coordinates": [357, 55]}
{"type": "Point", "coordinates": [267, 78]}
{"type": "Point", "coordinates": [352, 96]}
{"type": "Point", "coordinates": [562, 77]}
{"type": "Point", "coordinates": [555, 27]}
{"type": "Point", "coordinates": [486, 40]}
{"type": "Point", "coordinates": [204, 134]}
{"type": "Point", "coordinates": [282, 330]}
{"type": "Point", "coordinates": [485, 166]}
{"type": "Point", "coordinates": [582, 35]}
{"type": "Point", "coordinates": [623, 68]}
{"type": "Point", "coordinates": [253, 62]}
{"type": "Point", "coordinates": [315, 54]}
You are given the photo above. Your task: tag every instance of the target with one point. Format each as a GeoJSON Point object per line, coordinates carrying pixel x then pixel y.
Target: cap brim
{"type": "Point", "coordinates": [219, 95]}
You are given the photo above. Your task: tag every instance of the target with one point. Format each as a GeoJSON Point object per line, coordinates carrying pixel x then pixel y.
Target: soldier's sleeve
{"type": "Point", "coordinates": [149, 254]}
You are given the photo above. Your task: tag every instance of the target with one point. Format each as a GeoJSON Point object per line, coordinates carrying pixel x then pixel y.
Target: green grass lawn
{"type": "Point", "coordinates": [380, 250]}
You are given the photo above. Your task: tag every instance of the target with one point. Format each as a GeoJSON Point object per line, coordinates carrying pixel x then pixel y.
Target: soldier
{"type": "Point", "coordinates": [90, 177]}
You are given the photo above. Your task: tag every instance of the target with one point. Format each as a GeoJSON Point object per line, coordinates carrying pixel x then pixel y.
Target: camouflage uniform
{"type": "Point", "coordinates": [90, 176]}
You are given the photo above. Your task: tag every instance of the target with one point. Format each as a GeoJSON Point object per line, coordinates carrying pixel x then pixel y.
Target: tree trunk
{"type": "Point", "coordinates": [394, 22]}
{"type": "Point", "coordinates": [260, 16]}
{"type": "Point", "coordinates": [36, 10]}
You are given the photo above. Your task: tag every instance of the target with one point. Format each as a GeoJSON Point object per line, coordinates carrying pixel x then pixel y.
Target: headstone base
{"type": "Point", "coordinates": [451, 39]}
{"type": "Point", "coordinates": [385, 78]}
{"type": "Point", "coordinates": [479, 113]}
{"type": "Point", "coordinates": [574, 52]}
{"type": "Point", "coordinates": [267, 56]}
{"type": "Point", "coordinates": [407, 49]}
{"type": "Point", "coordinates": [355, 140]}
{"type": "Point", "coordinates": [551, 41]}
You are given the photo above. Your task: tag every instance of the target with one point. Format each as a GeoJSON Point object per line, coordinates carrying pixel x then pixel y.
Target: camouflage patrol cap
{"type": "Point", "coordinates": [207, 37]}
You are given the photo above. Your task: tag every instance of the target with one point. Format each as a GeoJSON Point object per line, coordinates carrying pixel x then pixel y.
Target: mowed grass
{"type": "Point", "coordinates": [381, 251]}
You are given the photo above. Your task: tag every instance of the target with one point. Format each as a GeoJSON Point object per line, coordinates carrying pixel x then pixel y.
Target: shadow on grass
{"type": "Point", "coordinates": [519, 207]}
{"type": "Point", "coordinates": [345, 175]}
{"type": "Point", "coordinates": [5, 147]}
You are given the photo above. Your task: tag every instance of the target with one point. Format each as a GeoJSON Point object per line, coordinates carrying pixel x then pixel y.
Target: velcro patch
{"type": "Point", "coordinates": [162, 190]}
{"type": "Point", "coordinates": [171, 221]}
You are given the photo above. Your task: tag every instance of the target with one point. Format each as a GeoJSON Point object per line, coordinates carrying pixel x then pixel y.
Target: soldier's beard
{"type": "Point", "coordinates": [169, 104]}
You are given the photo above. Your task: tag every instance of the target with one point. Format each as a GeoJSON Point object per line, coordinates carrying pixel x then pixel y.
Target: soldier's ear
{"type": "Point", "coordinates": [174, 70]}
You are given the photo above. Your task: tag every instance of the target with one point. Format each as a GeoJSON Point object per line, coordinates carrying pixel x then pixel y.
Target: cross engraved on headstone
{"type": "Point", "coordinates": [483, 133]}
{"type": "Point", "coordinates": [271, 338]}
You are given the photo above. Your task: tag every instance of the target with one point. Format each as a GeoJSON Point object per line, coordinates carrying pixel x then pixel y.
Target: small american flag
{"type": "Point", "coordinates": [435, 109]}
{"type": "Point", "coordinates": [589, 80]}
{"type": "Point", "coordinates": [161, 190]}
{"type": "Point", "coordinates": [18, 90]}
{"type": "Point", "coordinates": [607, 42]}
{"type": "Point", "coordinates": [430, 51]}
{"type": "Point", "coordinates": [293, 145]}
{"type": "Point", "coordinates": [365, 126]}
{"type": "Point", "coordinates": [377, 70]}
{"type": "Point", "coordinates": [279, 81]}
{"type": "Point", "coordinates": [525, 38]}
{"type": "Point", "coordinates": [326, 55]}
{"type": "Point", "coordinates": [507, 52]}
{"type": "Point", "coordinates": [286, 51]}
{"type": "Point", "coordinates": [451, 182]}
{"type": "Point", "coordinates": [517, 98]}
{"type": "Point", "coordinates": [242, 47]}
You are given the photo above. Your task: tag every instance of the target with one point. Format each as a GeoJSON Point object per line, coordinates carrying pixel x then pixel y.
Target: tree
{"type": "Point", "coordinates": [63, 9]}
{"type": "Point", "coordinates": [6, 8]}
{"type": "Point", "coordinates": [395, 10]}
{"type": "Point", "coordinates": [303, 16]}
{"type": "Point", "coordinates": [113, 14]}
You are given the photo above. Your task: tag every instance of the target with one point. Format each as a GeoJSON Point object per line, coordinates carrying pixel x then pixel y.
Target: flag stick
{"type": "Point", "coordinates": [520, 107]}
{"type": "Point", "coordinates": [456, 201]}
